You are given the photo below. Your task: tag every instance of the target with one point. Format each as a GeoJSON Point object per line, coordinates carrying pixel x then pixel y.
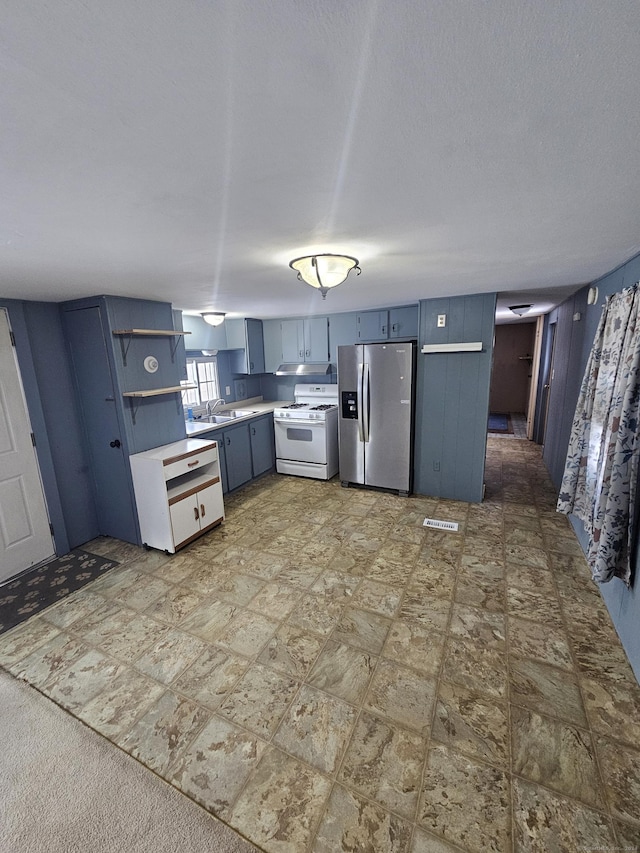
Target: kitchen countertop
{"type": "Point", "coordinates": [257, 405]}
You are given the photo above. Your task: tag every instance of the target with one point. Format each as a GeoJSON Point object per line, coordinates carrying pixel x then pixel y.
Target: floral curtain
{"type": "Point", "coordinates": [600, 479]}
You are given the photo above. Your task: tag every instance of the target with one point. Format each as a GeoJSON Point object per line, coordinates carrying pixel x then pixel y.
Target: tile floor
{"type": "Point", "coordinates": [324, 673]}
{"type": "Point", "coordinates": [519, 426]}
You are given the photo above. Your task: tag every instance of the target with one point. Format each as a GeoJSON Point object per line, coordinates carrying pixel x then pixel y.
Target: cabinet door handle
{"type": "Point", "coordinates": [253, 430]}
{"type": "Point", "coordinates": [228, 441]}
{"type": "Point", "coordinates": [193, 464]}
{"type": "Point", "coordinates": [115, 443]}
{"type": "Point", "coordinates": [384, 330]}
{"type": "Point", "coordinates": [202, 512]}
{"type": "Point", "coordinates": [308, 353]}
{"type": "Point", "coordinates": [301, 353]}
{"type": "Point", "coordinates": [394, 327]}
{"type": "Point", "coordinates": [251, 365]}
{"type": "Point", "coordinates": [195, 510]}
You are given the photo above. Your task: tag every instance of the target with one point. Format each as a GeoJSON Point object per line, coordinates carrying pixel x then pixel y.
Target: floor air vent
{"type": "Point", "coordinates": [440, 525]}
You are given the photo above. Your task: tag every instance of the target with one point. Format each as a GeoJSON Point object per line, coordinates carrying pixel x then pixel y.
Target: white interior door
{"type": "Point", "coordinates": [25, 535]}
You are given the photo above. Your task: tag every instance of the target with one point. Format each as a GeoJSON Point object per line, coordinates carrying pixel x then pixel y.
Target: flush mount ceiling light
{"type": "Point", "coordinates": [519, 309]}
{"type": "Point", "coordinates": [324, 271]}
{"type": "Point", "coordinates": [213, 318]}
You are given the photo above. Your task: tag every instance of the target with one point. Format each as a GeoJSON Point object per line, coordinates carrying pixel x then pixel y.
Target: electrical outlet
{"type": "Point", "coordinates": [442, 321]}
{"type": "Point", "coordinates": [227, 390]}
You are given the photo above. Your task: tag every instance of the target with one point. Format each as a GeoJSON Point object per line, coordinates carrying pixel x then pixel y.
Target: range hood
{"type": "Point", "coordinates": [323, 369]}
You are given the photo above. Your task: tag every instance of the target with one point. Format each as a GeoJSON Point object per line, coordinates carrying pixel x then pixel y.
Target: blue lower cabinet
{"type": "Point", "coordinates": [262, 445]}
{"type": "Point", "coordinates": [219, 438]}
{"type": "Point", "coordinates": [237, 453]}
{"type": "Point", "coordinates": [246, 451]}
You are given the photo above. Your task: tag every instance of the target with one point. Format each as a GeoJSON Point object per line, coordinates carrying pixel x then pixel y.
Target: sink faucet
{"type": "Point", "coordinates": [213, 405]}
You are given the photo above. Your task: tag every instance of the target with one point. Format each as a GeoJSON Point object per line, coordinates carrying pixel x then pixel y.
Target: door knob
{"type": "Point", "coordinates": [115, 443]}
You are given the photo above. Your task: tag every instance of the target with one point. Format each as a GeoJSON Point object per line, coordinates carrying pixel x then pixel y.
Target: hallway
{"type": "Point", "coordinates": [325, 673]}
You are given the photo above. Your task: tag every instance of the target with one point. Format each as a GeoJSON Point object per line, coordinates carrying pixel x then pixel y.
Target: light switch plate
{"type": "Point", "coordinates": [442, 320]}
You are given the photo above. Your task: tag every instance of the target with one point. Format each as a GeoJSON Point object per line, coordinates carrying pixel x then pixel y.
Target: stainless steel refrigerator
{"type": "Point", "coordinates": [376, 388]}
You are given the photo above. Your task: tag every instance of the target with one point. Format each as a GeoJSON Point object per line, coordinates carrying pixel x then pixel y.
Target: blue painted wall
{"type": "Point", "coordinates": [565, 384]}
{"type": "Point", "coordinates": [148, 421]}
{"type": "Point", "coordinates": [453, 398]}
{"type": "Point", "coordinates": [202, 335]}
{"type": "Point", "coordinates": [575, 339]}
{"type": "Point", "coordinates": [226, 377]}
{"type": "Point", "coordinates": [142, 422]}
{"type": "Point", "coordinates": [55, 421]}
{"type": "Point", "coordinates": [64, 430]}
{"type": "Point", "coordinates": [282, 387]}
{"type": "Point", "coordinates": [543, 378]}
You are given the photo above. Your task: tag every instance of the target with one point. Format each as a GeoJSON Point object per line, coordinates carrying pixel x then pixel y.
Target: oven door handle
{"type": "Point", "coordinates": [299, 421]}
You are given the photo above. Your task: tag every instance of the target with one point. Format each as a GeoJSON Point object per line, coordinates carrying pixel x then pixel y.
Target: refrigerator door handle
{"type": "Point", "coordinates": [360, 402]}
{"type": "Point", "coordinates": [365, 402]}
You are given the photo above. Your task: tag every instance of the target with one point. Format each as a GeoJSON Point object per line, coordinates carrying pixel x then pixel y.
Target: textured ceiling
{"type": "Point", "coordinates": [185, 150]}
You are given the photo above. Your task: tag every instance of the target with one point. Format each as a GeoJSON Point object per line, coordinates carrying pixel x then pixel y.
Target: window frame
{"type": "Point", "coordinates": [199, 396]}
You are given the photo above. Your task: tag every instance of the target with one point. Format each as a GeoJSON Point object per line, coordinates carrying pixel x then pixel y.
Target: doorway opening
{"type": "Point", "coordinates": [514, 379]}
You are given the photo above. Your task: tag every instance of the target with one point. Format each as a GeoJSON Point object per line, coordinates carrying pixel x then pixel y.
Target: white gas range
{"type": "Point", "coordinates": [307, 433]}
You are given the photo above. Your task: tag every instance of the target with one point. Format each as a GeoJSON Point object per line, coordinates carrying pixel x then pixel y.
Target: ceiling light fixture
{"type": "Point", "coordinates": [213, 318]}
{"type": "Point", "coordinates": [324, 271]}
{"type": "Point", "coordinates": [519, 309]}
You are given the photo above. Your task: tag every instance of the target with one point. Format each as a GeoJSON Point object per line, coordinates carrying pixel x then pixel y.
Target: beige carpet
{"type": "Point", "coordinates": [64, 789]}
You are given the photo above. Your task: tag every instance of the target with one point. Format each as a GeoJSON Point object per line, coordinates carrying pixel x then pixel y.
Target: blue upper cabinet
{"type": "Point", "coordinates": [292, 341]}
{"type": "Point", "coordinates": [246, 336]}
{"type": "Point", "coordinates": [305, 340]}
{"type": "Point", "coordinates": [316, 339]}
{"type": "Point", "coordinates": [403, 322]}
{"type": "Point", "coordinates": [382, 325]}
{"type": "Point", "coordinates": [373, 325]}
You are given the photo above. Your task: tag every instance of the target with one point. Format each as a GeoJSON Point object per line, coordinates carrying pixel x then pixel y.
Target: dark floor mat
{"type": "Point", "coordinates": [499, 423]}
{"type": "Point", "coordinates": [38, 588]}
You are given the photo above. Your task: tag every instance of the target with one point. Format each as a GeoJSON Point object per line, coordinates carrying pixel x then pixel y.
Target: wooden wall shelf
{"type": "Point", "coordinates": [159, 333]}
{"type": "Point", "coordinates": [152, 392]}
{"type": "Point", "coordinates": [147, 333]}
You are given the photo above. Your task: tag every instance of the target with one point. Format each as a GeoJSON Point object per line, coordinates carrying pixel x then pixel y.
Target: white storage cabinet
{"type": "Point", "coordinates": [178, 492]}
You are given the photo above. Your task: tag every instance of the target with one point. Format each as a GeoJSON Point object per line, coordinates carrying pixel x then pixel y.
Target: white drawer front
{"type": "Point", "coordinates": [190, 463]}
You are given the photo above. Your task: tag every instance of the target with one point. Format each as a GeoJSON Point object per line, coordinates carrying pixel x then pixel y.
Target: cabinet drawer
{"type": "Point", "coordinates": [178, 465]}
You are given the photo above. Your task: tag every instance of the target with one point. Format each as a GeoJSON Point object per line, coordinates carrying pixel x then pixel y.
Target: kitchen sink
{"type": "Point", "coordinates": [225, 417]}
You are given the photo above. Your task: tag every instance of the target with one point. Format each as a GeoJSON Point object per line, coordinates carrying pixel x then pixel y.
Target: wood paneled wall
{"type": "Point", "coordinates": [453, 398]}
